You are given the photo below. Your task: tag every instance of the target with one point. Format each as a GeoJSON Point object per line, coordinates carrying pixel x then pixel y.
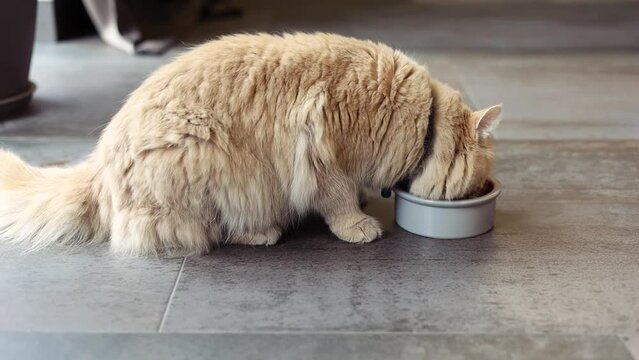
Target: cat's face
{"type": "Point", "coordinates": [461, 158]}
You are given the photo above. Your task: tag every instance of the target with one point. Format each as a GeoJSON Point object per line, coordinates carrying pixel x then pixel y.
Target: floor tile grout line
{"type": "Point", "coordinates": [626, 347]}
{"type": "Point", "coordinates": [390, 332]}
{"type": "Point", "coordinates": [170, 300]}
{"type": "Point", "coordinates": [326, 332]}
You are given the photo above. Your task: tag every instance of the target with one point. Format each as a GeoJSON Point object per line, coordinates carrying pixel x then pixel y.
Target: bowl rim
{"type": "Point", "coordinates": [491, 196]}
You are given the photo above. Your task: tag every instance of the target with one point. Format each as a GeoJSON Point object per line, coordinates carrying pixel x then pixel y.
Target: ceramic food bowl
{"type": "Point", "coordinates": [447, 219]}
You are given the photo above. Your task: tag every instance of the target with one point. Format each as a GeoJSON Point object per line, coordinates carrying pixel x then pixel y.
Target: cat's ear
{"type": "Point", "coordinates": [486, 120]}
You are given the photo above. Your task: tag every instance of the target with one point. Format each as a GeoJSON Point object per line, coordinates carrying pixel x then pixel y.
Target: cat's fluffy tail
{"type": "Point", "coordinates": [43, 206]}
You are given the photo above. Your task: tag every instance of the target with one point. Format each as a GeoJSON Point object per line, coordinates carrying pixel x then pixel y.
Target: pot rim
{"type": "Point", "coordinates": [21, 95]}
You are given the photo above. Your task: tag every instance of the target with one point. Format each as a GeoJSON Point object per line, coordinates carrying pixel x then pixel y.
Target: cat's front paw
{"type": "Point", "coordinates": [357, 228]}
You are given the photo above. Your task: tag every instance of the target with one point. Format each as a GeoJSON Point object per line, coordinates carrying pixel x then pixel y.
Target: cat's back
{"type": "Point", "coordinates": [237, 66]}
{"type": "Point", "coordinates": [241, 83]}
{"type": "Point", "coordinates": [287, 51]}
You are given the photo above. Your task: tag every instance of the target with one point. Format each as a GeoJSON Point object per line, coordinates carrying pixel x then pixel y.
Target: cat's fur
{"type": "Point", "coordinates": [234, 139]}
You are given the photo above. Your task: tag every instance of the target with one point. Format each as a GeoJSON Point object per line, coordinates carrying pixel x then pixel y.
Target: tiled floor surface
{"type": "Point", "coordinates": [557, 278]}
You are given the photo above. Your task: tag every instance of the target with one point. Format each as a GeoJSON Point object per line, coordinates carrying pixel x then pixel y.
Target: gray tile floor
{"type": "Point", "coordinates": [557, 278]}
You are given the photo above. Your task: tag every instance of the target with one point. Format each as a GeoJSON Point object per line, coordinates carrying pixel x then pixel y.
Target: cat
{"type": "Point", "coordinates": [238, 137]}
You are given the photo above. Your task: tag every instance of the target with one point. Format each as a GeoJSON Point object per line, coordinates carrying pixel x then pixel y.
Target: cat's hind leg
{"type": "Point", "coordinates": [141, 231]}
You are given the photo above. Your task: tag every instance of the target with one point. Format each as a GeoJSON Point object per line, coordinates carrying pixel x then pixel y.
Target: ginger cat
{"type": "Point", "coordinates": [235, 138]}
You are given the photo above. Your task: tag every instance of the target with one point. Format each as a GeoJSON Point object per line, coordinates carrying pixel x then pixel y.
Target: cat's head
{"type": "Point", "coordinates": [460, 159]}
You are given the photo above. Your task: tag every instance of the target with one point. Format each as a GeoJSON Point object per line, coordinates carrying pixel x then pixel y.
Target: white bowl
{"type": "Point", "coordinates": [446, 219]}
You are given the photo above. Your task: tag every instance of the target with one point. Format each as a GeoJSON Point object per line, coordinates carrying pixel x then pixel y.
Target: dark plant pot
{"type": "Point", "coordinates": [17, 31]}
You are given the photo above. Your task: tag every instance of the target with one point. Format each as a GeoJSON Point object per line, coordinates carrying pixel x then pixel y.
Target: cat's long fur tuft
{"type": "Point", "coordinates": [43, 206]}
